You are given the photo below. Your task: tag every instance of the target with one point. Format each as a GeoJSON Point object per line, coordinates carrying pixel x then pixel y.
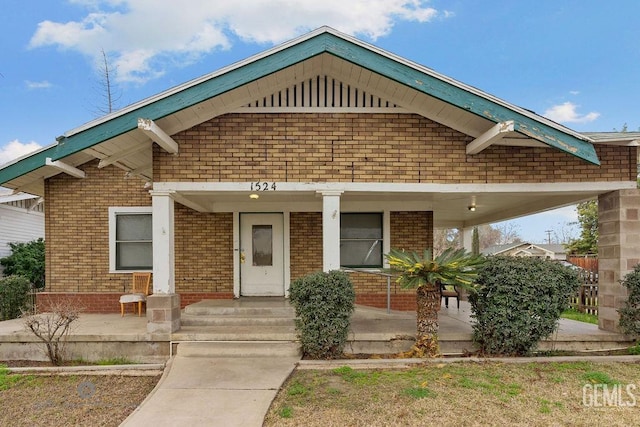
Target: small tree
{"type": "Point", "coordinates": [587, 243]}
{"type": "Point", "coordinates": [324, 303]}
{"type": "Point", "coordinates": [425, 274]}
{"type": "Point", "coordinates": [630, 313]}
{"type": "Point", "coordinates": [26, 259]}
{"type": "Point", "coordinates": [53, 327]}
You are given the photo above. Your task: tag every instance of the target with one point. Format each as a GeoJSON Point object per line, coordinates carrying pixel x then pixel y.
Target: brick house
{"type": "Point", "coordinates": [320, 153]}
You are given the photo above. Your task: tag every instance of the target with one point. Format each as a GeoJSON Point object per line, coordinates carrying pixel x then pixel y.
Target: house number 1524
{"type": "Point", "coordinates": [263, 186]}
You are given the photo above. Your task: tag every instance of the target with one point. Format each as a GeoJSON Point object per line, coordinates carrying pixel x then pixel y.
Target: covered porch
{"type": "Point", "coordinates": [460, 206]}
{"type": "Point", "coordinates": [373, 331]}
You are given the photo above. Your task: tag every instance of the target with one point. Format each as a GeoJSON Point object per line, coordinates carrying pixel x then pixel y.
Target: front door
{"type": "Point", "coordinates": [261, 254]}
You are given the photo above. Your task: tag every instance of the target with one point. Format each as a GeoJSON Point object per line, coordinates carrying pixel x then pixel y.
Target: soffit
{"type": "Point", "coordinates": [450, 209]}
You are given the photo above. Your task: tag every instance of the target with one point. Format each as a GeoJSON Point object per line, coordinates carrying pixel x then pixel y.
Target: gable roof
{"type": "Point", "coordinates": [501, 249]}
{"type": "Point", "coordinates": [415, 87]}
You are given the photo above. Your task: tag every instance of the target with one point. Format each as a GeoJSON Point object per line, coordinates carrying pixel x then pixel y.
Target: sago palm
{"type": "Point", "coordinates": [425, 274]}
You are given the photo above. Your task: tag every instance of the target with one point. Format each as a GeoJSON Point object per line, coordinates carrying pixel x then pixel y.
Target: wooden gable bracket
{"type": "Point", "coordinates": [63, 167]}
{"type": "Point", "coordinates": [160, 137]}
{"type": "Point", "coordinates": [139, 172]}
{"type": "Point", "coordinates": [123, 154]}
{"type": "Point", "coordinates": [35, 203]}
{"type": "Point", "coordinates": [493, 135]}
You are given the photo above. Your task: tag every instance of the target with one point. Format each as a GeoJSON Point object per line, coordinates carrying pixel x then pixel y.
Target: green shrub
{"type": "Point", "coordinates": [324, 303]}
{"type": "Point", "coordinates": [517, 302]}
{"type": "Point", "coordinates": [14, 296]}
{"type": "Point", "coordinates": [26, 259]}
{"type": "Point", "coordinates": [630, 313]}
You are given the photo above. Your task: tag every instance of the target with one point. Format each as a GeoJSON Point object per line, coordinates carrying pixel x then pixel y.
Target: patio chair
{"type": "Point", "coordinates": [449, 291]}
{"type": "Point", "coordinates": [139, 291]}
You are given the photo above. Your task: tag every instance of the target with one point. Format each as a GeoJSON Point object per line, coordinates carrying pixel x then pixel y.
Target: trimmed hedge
{"type": "Point", "coordinates": [518, 301]}
{"type": "Point", "coordinates": [630, 313]}
{"type": "Point", "coordinates": [14, 296]}
{"type": "Point", "coordinates": [323, 303]}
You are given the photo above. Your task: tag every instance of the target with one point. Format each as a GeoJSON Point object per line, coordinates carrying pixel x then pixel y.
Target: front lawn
{"type": "Point", "coordinates": [70, 400]}
{"type": "Point", "coordinates": [462, 394]}
{"type": "Point", "coordinates": [574, 314]}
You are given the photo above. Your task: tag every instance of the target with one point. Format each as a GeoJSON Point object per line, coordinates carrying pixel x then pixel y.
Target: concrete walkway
{"type": "Point", "coordinates": [214, 391]}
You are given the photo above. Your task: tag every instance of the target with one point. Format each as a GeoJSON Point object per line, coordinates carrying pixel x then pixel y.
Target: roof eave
{"type": "Point", "coordinates": [314, 43]}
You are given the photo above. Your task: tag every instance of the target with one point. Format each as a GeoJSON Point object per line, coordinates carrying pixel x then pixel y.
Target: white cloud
{"type": "Point", "coordinates": [37, 85]}
{"type": "Point", "coordinates": [141, 34]}
{"type": "Point", "coordinates": [566, 113]}
{"type": "Point", "coordinates": [15, 149]}
{"type": "Point", "coordinates": [574, 92]}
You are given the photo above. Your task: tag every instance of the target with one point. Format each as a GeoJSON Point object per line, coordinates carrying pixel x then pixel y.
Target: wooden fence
{"type": "Point", "coordinates": [586, 301]}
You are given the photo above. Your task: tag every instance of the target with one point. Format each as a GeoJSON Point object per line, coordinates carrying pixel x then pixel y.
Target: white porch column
{"type": "Point", "coordinates": [467, 238]}
{"type": "Point", "coordinates": [330, 230]}
{"type": "Point", "coordinates": [163, 243]}
{"type": "Point", "coordinates": [163, 307]}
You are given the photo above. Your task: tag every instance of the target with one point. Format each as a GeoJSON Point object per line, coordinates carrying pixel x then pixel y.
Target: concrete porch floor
{"type": "Point", "coordinates": [101, 336]}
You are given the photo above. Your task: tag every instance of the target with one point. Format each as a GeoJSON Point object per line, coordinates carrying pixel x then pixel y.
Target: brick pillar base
{"type": "Point", "coordinates": [618, 251]}
{"type": "Point", "coordinates": [163, 313]}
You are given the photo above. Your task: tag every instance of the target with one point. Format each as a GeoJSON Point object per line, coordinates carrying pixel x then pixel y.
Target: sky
{"type": "Point", "coordinates": [574, 61]}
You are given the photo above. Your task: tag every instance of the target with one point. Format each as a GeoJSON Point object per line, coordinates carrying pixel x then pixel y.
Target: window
{"type": "Point", "coordinates": [262, 244]}
{"type": "Point", "coordinates": [130, 239]}
{"type": "Point", "coordinates": [361, 239]}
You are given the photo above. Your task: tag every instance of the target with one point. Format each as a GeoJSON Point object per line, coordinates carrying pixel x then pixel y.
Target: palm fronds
{"type": "Point", "coordinates": [451, 267]}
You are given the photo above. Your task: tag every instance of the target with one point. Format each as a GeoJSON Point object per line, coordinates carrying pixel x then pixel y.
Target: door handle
{"type": "Point", "coordinates": [242, 258]}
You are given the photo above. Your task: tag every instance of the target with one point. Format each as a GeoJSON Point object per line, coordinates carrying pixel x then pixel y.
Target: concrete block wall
{"type": "Point", "coordinates": [618, 251]}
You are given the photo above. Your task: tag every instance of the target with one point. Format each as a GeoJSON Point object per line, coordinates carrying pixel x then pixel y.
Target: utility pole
{"type": "Point", "coordinates": [549, 235]}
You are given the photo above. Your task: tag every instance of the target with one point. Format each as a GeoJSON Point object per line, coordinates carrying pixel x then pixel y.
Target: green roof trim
{"type": "Point", "coordinates": [461, 98]}
{"type": "Point", "coordinates": [288, 56]}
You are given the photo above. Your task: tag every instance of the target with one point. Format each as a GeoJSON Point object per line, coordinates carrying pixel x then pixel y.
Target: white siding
{"type": "Point", "coordinates": [18, 225]}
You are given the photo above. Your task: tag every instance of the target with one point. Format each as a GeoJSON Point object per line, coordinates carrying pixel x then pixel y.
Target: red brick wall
{"type": "Point", "coordinates": [108, 302]}
{"type": "Point", "coordinates": [87, 302]}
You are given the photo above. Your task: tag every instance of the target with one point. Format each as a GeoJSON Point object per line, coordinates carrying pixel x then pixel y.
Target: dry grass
{"type": "Point", "coordinates": [457, 394]}
{"type": "Point", "coordinates": [81, 400]}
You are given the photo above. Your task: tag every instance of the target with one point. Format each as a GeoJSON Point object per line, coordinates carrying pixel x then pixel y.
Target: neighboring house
{"type": "Point", "coordinates": [21, 220]}
{"type": "Point", "coordinates": [320, 153]}
{"type": "Point", "coordinates": [525, 249]}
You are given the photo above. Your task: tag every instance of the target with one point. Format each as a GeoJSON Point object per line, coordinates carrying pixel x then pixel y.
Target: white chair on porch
{"type": "Point", "coordinates": [139, 290]}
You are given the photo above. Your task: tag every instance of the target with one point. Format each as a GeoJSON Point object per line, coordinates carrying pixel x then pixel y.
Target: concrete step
{"type": "Point", "coordinates": [238, 349]}
{"type": "Point", "coordinates": [204, 310]}
{"type": "Point", "coordinates": [235, 333]}
{"type": "Point", "coordinates": [234, 320]}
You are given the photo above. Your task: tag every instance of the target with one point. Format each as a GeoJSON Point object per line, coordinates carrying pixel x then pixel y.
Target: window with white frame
{"type": "Point", "coordinates": [130, 239]}
{"type": "Point", "coordinates": [361, 240]}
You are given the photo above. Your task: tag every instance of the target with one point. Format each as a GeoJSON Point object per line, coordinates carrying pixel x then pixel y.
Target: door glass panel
{"type": "Point", "coordinates": [262, 243]}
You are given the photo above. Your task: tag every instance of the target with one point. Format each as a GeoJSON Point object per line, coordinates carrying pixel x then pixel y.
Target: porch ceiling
{"type": "Point", "coordinates": [450, 205]}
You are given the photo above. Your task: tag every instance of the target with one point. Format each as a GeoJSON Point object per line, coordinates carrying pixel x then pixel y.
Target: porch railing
{"type": "Point", "coordinates": [375, 273]}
